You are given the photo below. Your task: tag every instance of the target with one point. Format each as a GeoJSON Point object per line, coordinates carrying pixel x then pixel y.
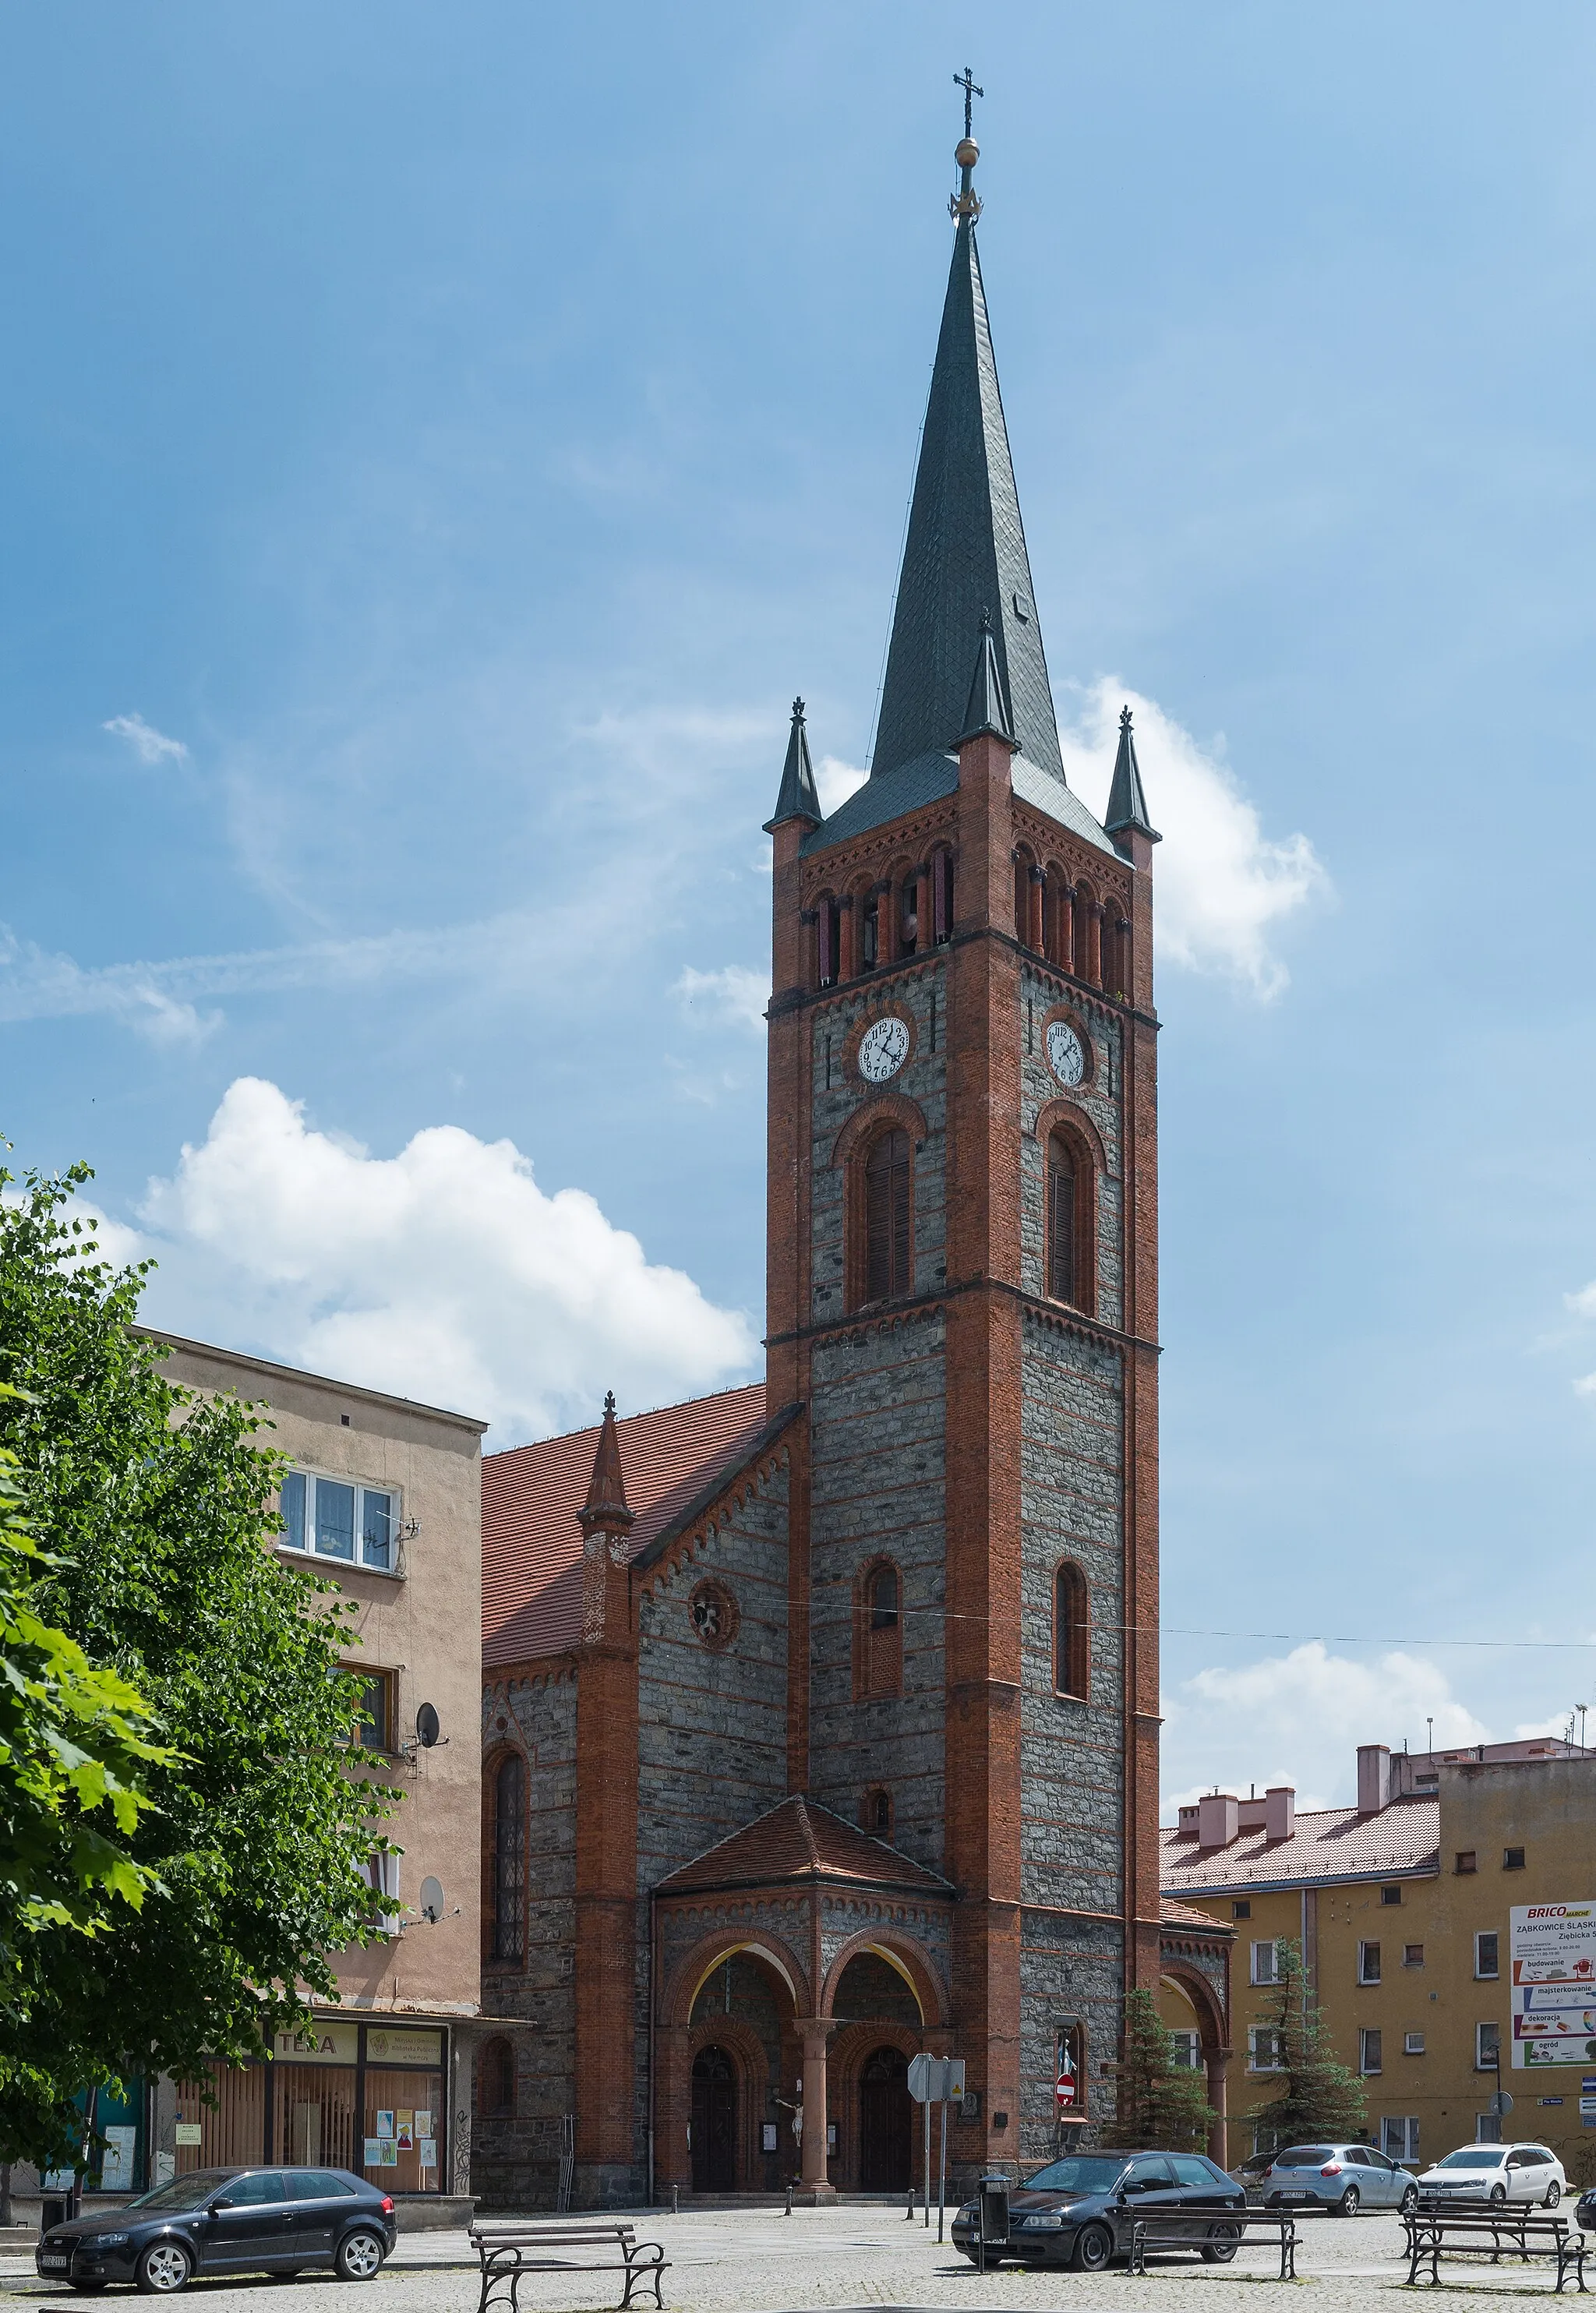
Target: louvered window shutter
{"type": "Point", "coordinates": [1061, 1224]}
{"type": "Point", "coordinates": [887, 1218]}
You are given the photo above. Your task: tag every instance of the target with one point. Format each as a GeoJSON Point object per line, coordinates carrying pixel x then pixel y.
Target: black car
{"type": "Point", "coordinates": [226, 2221]}
{"type": "Point", "coordinates": [1584, 2212]}
{"type": "Point", "coordinates": [1079, 2210]}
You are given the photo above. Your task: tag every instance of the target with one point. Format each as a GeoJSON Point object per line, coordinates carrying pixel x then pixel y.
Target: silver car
{"type": "Point", "coordinates": [1345, 2178]}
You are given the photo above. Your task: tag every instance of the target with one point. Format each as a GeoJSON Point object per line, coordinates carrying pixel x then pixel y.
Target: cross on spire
{"type": "Point", "coordinates": [965, 80]}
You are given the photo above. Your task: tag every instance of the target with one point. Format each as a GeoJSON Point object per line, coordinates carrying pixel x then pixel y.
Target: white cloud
{"type": "Point", "coordinates": [444, 1273]}
{"type": "Point", "coordinates": [150, 745]}
{"type": "Point", "coordinates": [1221, 886]}
{"type": "Point", "coordinates": [836, 781]}
{"type": "Point", "coordinates": [735, 993]}
{"type": "Point", "coordinates": [1298, 1718]}
{"type": "Point", "coordinates": [102, 1239]}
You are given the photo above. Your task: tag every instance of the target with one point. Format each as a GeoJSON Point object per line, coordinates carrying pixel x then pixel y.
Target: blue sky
{"type": "Point", "coordinates": [438, 446]}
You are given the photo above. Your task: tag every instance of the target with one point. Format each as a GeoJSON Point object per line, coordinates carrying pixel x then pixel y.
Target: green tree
{"type": "Point", "coordinates": [248, 1844]}
{"type": "Point", "coordinates": [1319, 2095]}
{"type": "Point", "coordinates": [1161, 2106]}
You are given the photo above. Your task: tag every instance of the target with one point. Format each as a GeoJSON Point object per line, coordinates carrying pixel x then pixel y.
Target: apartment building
{"type": "Point", "coordinates": [1403, 1904]}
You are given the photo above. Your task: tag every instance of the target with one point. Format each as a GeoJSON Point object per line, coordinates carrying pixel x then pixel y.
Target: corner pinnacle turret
{"type": "Point", "coordinates": [799, 798]}
{"type": "Point", "coordinates": [606, 1504]}
{"type": "Point", "coordinates": [1128, 805]}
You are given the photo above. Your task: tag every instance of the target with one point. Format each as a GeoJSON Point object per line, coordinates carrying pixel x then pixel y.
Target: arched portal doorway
{"type": "Point", "coordinates": [884, 2132]}
{"type": "Point", "coordinates": [714, 2122]}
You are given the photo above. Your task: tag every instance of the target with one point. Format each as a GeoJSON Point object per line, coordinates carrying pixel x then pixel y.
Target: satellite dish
{"type": "Point", "coordinates": [432, 1901]}
{"type": "Point", "coordinates": [427, 1727]}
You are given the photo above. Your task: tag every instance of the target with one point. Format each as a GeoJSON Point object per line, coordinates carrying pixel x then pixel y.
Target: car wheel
{"type": "Point", "coordinates": [360, 2257]}
{"type": "Point", "coordinates": [1221, 2244]}
{"type": "Point", "coordinates": [1094, 2246]}
{"type": "Point", "coordinates": [1553, 2193]}
{"type": "Point", "coordinates": [1350, 2203]}
{"type": "Point", "coordinates": [1408, 2202]}
{"type": "Point", "coordinates": [1498, 2194]}
{"type": "Point", "coordinates": [164, 2267]}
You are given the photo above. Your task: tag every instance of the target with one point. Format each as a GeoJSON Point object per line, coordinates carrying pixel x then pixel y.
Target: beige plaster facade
{"type": "Point", "coordinates": [419, 1625]}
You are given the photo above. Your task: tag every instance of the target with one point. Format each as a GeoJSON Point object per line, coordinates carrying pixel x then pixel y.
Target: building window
{"type": "Point", "coordinates": [870, 933]}
{"type": "Point", "coordinates": [1242, 1909]}
{"type": "Point", "coordinates": [1368, 1963]}
{"type": "Point", "coordinates": [509, 1860]}
{"type": "Point", "coordinates": [373, 1725]}
{"type": "Point", "coordinates": [1390, 1894]}
{"type": "Point", "coordinates": [1061, 1219]}
{"type": "Point", "coordinates": [1413, 1955]}
{"type": "Point", "coordinates": [495, 2080]}
{"type": "Point", "coordinates": [1368, 2052]}
{"type": "Point", "coordinates": [1486, 1960]}
{"type": "Point", "coordinates": [1072, 1631]}
{"type": "Point", "coordinates": [1263, 2051]}
{"type": "Point", "coordinates": [1399, 2138]}
{"type": "Point", "coordinates": [382, 1871]}
{"type": "Point", "coordinates": [1413, 2043]}
{"type": "Point", "coordinates": [1487, 2047]}
{"type": "Point", "coordinates": [1467, 1861]}
{"type": "Point", "coordinates": [1266, 1964]}
{"type": "Point", "coordinates": [880, 1632]}
{"type": "Point", "coordinates": [942, 896]}
{"type": "Point", "coordinates": [335, 1518]}
{"type": "Point", "coordinates": [829, 942]}
{"type": "Point", "coordinates": [875, 1814]}
{"type": "Point", "coordinates": [887, 1216]}
{"type": "Point", "coordinates": [1488, 2128]}
{"type": "Point", "coordinates": [1185, 2050]}
{"type": "Point", "coordinates": [1512, 1859]}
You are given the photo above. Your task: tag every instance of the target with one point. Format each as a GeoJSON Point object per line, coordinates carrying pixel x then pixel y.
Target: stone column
{"type": "Point", "coordinates": [1218, 2060]}
{"type": "Point", "coordinates": [815, 2031]}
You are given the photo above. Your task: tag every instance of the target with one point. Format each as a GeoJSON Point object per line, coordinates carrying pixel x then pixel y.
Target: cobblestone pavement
{"type": "Point", "coordinates": [863, 2256]}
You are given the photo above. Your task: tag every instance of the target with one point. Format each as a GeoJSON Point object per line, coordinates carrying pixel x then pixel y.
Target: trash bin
{"type": "Point", "coordinates": [54, 2210]}
{"type": "Point", "coordinates": [993, 2207]}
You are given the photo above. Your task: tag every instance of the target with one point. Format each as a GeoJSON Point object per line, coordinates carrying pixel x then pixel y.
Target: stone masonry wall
{"type": "Point", "coordinates": [1071, 1972]}
{"type": "Point", "coordinates": [515, 2162]}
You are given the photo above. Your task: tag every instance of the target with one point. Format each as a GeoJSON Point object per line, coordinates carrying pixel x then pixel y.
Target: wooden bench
{"type": "Point", "coordinates": [507, 2252]}
{"type": "Point", "coordinates": [1226, 2230]}
{"type": "Point", "coordinates": [1438, 2228]}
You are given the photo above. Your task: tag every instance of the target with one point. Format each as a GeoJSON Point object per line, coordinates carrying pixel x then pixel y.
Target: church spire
{"type": "Point", "coordinates": [986, 709]}
{"type": "Point", "coordinates": [1128, 805]}
{"type": "Point", "coordinates": [606, 1504]}
{"type": "Point", "coordinates": [799, 797]}
{"type": "Point", "coordinates": [965, 544]}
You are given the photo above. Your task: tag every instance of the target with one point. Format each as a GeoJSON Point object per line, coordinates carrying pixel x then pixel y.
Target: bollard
{"type": "Point", "coordinates": [909, 2212]}
{"type": "Point", "coordinates": [676, 2200]}
{"type": "Point", "coordinates": [788, 2209]}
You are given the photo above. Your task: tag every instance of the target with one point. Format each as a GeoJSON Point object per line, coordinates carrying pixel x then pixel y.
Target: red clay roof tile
{"type": "Point", "coordinates": [531, 1542]}
{"type": "Point", "coordinates": [1330, 1843]}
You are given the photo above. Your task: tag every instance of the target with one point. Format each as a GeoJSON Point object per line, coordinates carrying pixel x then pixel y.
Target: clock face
{"type": "Point", "coordinates": [883, 1049]}
{"type": "Point", "coordinates": [1067, 1055]}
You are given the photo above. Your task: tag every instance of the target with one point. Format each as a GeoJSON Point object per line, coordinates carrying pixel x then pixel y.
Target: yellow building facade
{"type": "Point", "coordinates": [1402, 1907]}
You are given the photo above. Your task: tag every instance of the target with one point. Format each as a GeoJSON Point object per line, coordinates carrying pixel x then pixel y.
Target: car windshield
{"type": "Point", "coordinates": [1082, 2172]}
{"type": "Point", "coordinates": [1477, 2156]}
{"type": "Point", "coordinates": [182, 2193]}
{"type": "Point", "coordinates": [1304, 2156]}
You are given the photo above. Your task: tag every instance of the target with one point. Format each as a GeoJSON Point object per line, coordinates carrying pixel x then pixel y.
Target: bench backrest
{"type": "Point", "coordinates": [541, 2236]}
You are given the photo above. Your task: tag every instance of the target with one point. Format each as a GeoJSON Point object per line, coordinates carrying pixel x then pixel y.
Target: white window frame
{"type": "Point", "coordinates": [1483, 1974]}
{"type": "Point", "coordinates": [1413, 2043]}
{"type": "Point", "coordinates": [1484, 2063]}
{"type": "Point", "coordinates": [1367, 1975]}
{"type": "Point", "coordinates": [1266, 1970]}
{"type": "Point", "coordinates": [310, 1547]}
{"type": "Point", "coordinates": [1371, 2031]}
{"type": "Point", "coordinates": [1185, 2050]}
{"type": "Point", "coordinates": [1488, 2128]}
{"type": "Point", "coordinates": [1258, 2035]}
{"type": "Point", "coordinates": [1398, 2137]}
{"type": "Point", "coordinates": [384, 1872]}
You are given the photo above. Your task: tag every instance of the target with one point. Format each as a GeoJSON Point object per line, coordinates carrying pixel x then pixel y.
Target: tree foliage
{"type": "Point", "coordinates": [1161, 2107]}
{"type": "Point", "coordinates": [1319, 2095]}
{"type": "Point", "coordinates": [240, 1863]}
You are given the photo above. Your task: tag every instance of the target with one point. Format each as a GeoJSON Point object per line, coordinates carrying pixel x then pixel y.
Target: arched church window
{"type": "Point", "coordinates": [1062, 1278]}
{"type": "Point", "coordinates": [870, 929]}
{"type": "Point", "coordinates": [887, 1206]}
{"type": "Point", "coordinates": [875, 1814]}
{"type": "Point", "coordinates": [908, 916]}
{"type": "Point", "coordinates": [828, 941]}
{"type": "Point", "coordinates": [509, 1860]}
{"type": "Point", "coordinates": [880, 1652]}
{"type": "Point", "coordinates": [941, 897]}
{"type": "Point", "coordinates": [1072, 1631]}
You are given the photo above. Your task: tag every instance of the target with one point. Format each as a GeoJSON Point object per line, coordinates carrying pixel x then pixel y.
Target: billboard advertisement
{"type": "Point", "coordinates": [1554, 1984]}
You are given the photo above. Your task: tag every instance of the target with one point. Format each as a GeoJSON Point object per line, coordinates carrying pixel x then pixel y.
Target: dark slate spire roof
{"type": "Point", "coordinates": [986, 709]}
{"type": "Point", "coordinates": [799, 797]}
{"type": "Point", "coordinates": [1128, 805]}
{"type": "Point", "coordinates": [965, 550]}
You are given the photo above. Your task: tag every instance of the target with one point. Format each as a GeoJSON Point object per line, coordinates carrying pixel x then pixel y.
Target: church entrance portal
{"type": "Point", "coordinates": [884, 2134]}
{"type": "Point", "coordinates": [714, 2122]}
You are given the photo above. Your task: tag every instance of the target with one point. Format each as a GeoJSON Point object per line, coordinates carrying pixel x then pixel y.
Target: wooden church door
{"type": "Point", "coordinates": [884, 2132]}
{"type": "Point", "coordinates": [714, 2123]}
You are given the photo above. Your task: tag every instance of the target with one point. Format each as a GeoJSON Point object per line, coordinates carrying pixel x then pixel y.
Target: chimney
{"type": "Point", "coordinates": [1375, 1777]}
{"type": "Point", "coordinates": [1217, 1818]}
{"type": "Point", "coordinates": [1280, 1811]}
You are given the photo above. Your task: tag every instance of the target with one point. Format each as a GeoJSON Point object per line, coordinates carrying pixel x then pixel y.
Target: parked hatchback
{"type": "Point", "coordinates": [226, 2221]}
{"type": "Point", "coordinates": [1497, 2172]}
{"type": "Point", "coordinates": [1079, 2210]}
{"type": "Point", "coordinates": [1345, 2178]}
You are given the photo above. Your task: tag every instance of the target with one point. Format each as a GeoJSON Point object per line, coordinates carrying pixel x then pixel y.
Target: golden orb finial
{"type": "Point", "coordinates": [967, 153]}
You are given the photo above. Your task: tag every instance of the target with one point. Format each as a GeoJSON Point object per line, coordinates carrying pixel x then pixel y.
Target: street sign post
{"type": "Point", "coordinates": [935, 2080]}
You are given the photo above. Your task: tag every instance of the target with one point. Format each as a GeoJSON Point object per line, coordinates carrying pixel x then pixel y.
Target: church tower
{"type": "Point", "coordinates": [963, 1292]}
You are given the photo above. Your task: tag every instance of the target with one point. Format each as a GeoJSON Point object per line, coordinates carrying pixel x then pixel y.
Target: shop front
{"type": "Point", "coordinates": [369, 2098]}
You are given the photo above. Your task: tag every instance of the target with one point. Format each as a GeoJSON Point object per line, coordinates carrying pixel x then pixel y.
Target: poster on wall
{"type": "Point", "coordinates": [1554, 1984]}
{"type": "Point", "coordinates": [374, 2153]}
{"type": "Point", "coordinates": [429, 2151]}
{"type": "Point", "coordinates": [116, 2169]}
